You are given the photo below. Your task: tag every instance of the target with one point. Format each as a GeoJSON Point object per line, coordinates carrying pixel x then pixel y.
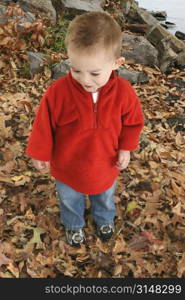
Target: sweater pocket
{"type": "Point", "coordinates": [66, 120]}
{"type": "Point", "coordinates": [111, 129]}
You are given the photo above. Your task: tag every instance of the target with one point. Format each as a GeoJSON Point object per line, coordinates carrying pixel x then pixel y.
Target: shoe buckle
{"type": "Point", "coordinates": [77, 237]}
{"type": "Point", "coordinates": [105, 229]}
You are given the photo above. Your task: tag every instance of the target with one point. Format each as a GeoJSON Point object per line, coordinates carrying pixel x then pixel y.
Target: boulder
{"type": "Point", "coordinates": [141, 51]}
{"type": "Point", "coordinates": [167, 56]}
{"type": "Point", "coordinates": [159, 15]}
{"type": "Point", "coordinates": [180, 35]}
{"type": "Point", "coordinates": [125, 6]}
{"type": "Point", "coordinates": [3, 19]}
{"type": "Point", "coordinates": [168, 46]}
{"type": "Point", "coordinates": [36, 61]}
{"type": "Point", "coordinates": [2, 9]}
{"type": "Point", "coordinates": [6, 1]}
{"type": "Point", "coordinates": [137, 28]}
{"type": "Point", "coordinates": [133, 76]}
{"type": "Point", "coordinates": [27, 17]}
{"type": "Point", "coordinates": [164, 25]}
{"type": "Point", "coordinates": [44, 8]}
{"type": "Point", "coordinates": [60, 69]}
{"type": "Point", "coordinates": [178, 122]}
{"type": "Point", "coordinates": [73, 7]}
{"type": "Point", "coordinates": [157, 34]}
{"type": "Point", "coordinates": [176, 44]}
{"type": "Point", "coordinates": [139, 15]}
{"type": "Point", "coordinates": [180, 60]}
{"type": "Point", "coordinates": [170, 24]}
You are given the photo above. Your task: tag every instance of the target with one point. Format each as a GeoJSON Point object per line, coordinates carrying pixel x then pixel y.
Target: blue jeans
{"type": "Point", "coordinates": [72, 206]}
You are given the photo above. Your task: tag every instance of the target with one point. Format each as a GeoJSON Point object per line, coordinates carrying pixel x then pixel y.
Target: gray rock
{"type": "Point", "coordinates": [164, 25]}
{"type": "Point", "coordinates": [133, 76]}
{"type": "Point", "coordinates": [159, 15]}
{"type": "Point", "coordinates": [28, 17]}
{"type": "Point", "coordinates": [180, 35]}
{"type": "Point", "coordinates": [143, 77]}
{"type": "Point", "coordinates": [137, 28]}
{"type": "Point", "coordinates": [139, 15]}
{"type": "Point", "coordinates": [5, 1]}
{"type": "Point", "coordinates": [60, 69]}
{"type": "Point", "coordinates": [36, 61]}
{"type": "Point", "coordinates": [178, 122]}
{"type": "Point", "coordinates": [167, 55]}
{"type": "Point", "coordinates": [141, 51]}
{"type": "Point", "coordinates": [180, 61]}
{"type": "Point", "coordinates": [125, 7]}
{"type": "Point", "coordinates": [3, 19]}
{"type": "Point", "coordinates": [74, 7]}
{"type": "Point", "coordinates": [170, 24]}
{"type": "Point", "coordinates": [41, 7]}
{"type": "Point", "coordinates": [168, 46]}
{"type": "Point", "coordinates": [157, 34]}
{"type": "Point", "coordinates": [2, 9]}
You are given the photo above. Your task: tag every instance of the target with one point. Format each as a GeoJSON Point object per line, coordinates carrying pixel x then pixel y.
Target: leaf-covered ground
{"type": "Point", "coordinates": [149, 241]}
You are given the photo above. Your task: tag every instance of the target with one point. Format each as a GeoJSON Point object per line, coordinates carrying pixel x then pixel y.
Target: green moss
{"type": "Point", "coordinates": [55, 36]}
{"type": "Point", "coordinates": [24, 71]}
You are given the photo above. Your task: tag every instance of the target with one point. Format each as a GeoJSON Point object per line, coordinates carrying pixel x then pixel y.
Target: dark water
{"type": "Point", "coordinates": [175, 11]}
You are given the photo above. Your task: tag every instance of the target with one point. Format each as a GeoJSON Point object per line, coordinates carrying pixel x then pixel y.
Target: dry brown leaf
{"type": "Point", "coordinates": [117, 270]}
{"type": "Point", "coordinates": [120, 245]}
{"type": "Point", "coordinates": [138, 243]}
{"type": "Point", "coordinates": [181, 266]}
{"type": "Point", "coordinates": [177, 189]}
{"type": "Point", "coordinates": [4, 260]}
{"type": "Point", "coordinates": [14, 270]}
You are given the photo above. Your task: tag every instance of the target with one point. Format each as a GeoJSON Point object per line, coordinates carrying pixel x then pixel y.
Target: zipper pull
{"type": "Point", "coordinates": [95, 107]}
{"type": "Point", "coordinates": [95, 115]}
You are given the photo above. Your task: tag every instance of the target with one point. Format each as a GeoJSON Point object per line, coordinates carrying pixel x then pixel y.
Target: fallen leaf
{"type": "Point", "coordinates": [117, 270]}
{"type": "Point", "coordinates": [36, 239]}
{"type": "Point", "coordinates": [131, 206]}
{"type": "Point", "coordinates": [120, 245]}
{"type": "Point", "coordinates": [4, 260]}
{"type": "Point", "coordinates": [14, 270]}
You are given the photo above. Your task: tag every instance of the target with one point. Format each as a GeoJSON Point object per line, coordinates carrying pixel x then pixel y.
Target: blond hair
{"type": "Point", "coordinates": [95, 28]}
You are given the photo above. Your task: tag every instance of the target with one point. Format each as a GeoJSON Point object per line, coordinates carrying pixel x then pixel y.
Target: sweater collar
{"type": "Point", "coordinates": [106, 88]}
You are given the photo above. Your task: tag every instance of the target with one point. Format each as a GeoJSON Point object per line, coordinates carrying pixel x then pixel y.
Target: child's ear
{"type": "Point", "coordinates": [118, 62]}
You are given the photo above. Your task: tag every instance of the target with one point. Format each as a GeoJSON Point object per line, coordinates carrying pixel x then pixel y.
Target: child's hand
{"type": "Point", "coordinates": [123, 159]}
{"type": "Point", "coordinates": [39, 165]}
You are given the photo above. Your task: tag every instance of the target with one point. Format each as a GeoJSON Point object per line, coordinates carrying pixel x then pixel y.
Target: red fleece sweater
{"type": "Point", "coordinates": [81, 139]}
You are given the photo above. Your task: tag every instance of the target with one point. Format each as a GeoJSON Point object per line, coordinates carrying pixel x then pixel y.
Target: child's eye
{"type": "Point", "coordinates": [76, 71]}
{"type": "Point", "coordinates": [95, 74]}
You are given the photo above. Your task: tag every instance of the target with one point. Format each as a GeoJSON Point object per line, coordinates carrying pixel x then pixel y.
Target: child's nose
{"type": "Point", "coordinates": [85, 79]}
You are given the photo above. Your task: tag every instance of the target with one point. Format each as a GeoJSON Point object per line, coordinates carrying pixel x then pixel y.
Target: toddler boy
{"type": "Point", "coordinates": [87, 123]}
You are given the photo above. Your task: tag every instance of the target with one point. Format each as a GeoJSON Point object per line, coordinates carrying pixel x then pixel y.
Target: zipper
{"type": "Point", "coordinates": [95, 115]}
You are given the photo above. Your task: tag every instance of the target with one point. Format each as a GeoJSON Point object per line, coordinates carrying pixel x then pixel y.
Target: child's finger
{"type": "Point", "coordinates": [122, 165]}
{"type": "Point", "coordinates": [47, 164]}
{"type": "Point", "coordinates": [118, 165]}
{"type": "Point", "coordinates": [44, 164]}
{"type": "Point", "coordinates": [41, 165]}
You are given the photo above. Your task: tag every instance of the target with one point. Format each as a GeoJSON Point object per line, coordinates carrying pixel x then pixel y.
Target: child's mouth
{"type": "Point", "coordinates": [88, 86]}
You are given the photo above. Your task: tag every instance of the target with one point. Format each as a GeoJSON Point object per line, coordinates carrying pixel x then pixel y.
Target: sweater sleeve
{"type": "Point", "coordinates": [132, 122]}
{"type": "Point", "coordinates": [40, 141]}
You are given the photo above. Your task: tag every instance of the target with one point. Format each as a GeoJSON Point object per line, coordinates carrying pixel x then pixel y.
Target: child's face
{"type": "Point", "coordinates": [93, 70]}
